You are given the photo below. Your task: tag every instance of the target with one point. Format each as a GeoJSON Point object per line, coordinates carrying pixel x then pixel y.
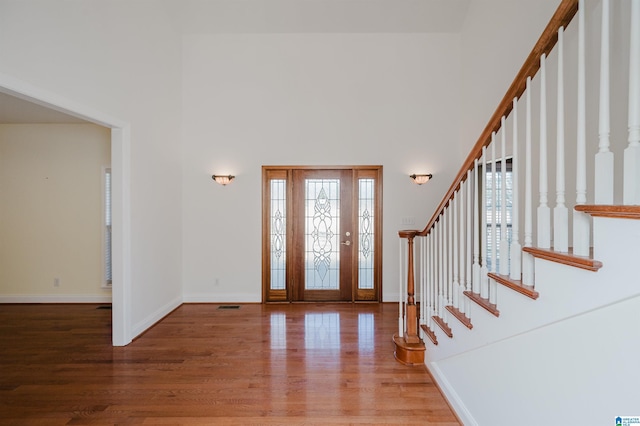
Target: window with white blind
{"type": "Point", "coordinates": [498, 202]}
{"type": "Point", "coordinates": [107, 228]}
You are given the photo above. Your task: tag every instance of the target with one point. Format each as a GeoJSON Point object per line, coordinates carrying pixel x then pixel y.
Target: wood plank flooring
{"type": "Point", "coordinates": [287, 364]}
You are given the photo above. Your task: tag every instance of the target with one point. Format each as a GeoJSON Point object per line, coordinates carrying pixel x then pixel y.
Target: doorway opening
{"type": "Point", "coordinates": [120, 163]}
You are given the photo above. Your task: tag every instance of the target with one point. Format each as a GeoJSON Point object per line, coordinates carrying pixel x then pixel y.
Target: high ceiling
{"type": "Point", "coordinates": [281, 16]}
{"type": "Point", "coordinates": [319, 16]}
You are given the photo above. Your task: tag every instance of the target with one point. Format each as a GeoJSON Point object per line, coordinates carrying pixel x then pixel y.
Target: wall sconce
{"type": "Point", "coordinates": [223, 179]}
{"type": "Point", "coordinates": [420, 179]}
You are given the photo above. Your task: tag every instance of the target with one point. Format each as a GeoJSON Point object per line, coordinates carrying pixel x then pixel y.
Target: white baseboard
{"type": "Point", "coordinates": [222, 298]}
{"type": "Point", "coordinates": [156, 316]}
{"type": "Point", "coordinates": [54, 298]}
{"type": "Point", "coordinates": [452, 396]}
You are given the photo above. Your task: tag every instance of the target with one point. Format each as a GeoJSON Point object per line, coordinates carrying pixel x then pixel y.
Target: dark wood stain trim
{"type": "Point", "coordinates": [430, 334]}
{"type": "Point", "coordinates": [443, 325]}
{"type": "Point", "coordinates": [616, 212]}
{"type": "Point", "coordinates": [515, 285]}
{"type": "Point", "coordinates": [465, 320]}
{"type": "Point", "coordinates": [490, 307]}
{"type": "Point", "coordinates": [582, 262]}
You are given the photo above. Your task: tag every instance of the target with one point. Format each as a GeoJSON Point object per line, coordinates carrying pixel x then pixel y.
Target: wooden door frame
{"type": "Point", "coordinates": [286, 172]}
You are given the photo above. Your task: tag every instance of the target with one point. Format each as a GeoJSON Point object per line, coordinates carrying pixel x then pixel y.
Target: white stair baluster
{"type": "Point", "coordinates": [441, 266]}
{"type": "Point", "coordinates": [424, 300]}
{"type": "Point", "coordinates": [470, 233]}
{"type": "Point", "coordinates": [475, 283]}
{"type": "Point", "coordinates": [446, 234]}
{"type": "Point", "coordinates": [434, 290]}
{"type": "Point", "coordinates": [454, 246]}
{"type": "Point", "coordinates": [632, 152]}
{"type": "Point", "coordinates": [436, 270]}
{"type": "Point", "coordinates": [515, 249]}
{"type": "Point", "coordinates": [429, 273]}
{"type": "Point", "coordinates": [560, 211]}
{"type": "Point", "coordinates": [416, 275]}
{"type": "Point", "coordinates": [603, 182]}
{"type": "Point", "coordinates": [423, 280]}
{"type": "Point", "coordinates": [527, 259]}
{"type": "Point", "coordinates": [544, 214]}
{"type": "Point", "coordinates": [461, 248]}
{"type": "Point", "coordinates": [494, 217]}
{"type": "Point", "coordinates": [402, 285]}
{"type": "Point", "coordinates": [581, 222]}
{"type": "Point", "coordinates": [434, 273]}
{"type": "Point", "coordinates": [451, 240]}
{"type": "Point", "coordinates": [484, 279]}
{"type": "Point", "coordinates": [427, 318]}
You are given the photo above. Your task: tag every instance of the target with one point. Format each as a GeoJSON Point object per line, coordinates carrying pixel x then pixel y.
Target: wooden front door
{"type": "Point", "coordinates": [321, 233]}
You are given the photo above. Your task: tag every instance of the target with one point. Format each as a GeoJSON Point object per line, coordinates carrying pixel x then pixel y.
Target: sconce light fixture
{"type": "Point", "coordinates": [420, 179]}
{"type": "Point", "coordinates": [223, 179]}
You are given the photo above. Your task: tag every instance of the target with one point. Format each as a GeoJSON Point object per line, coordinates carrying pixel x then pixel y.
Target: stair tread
{"type": "Point", "coordinates": [460, 316]}
{"type": "Point", "coordinates": [515, 285]}
{"type": "Point", "coordinates": [491, 307]}
{"type": "Point", "coordinates": [430, 334]}
{"type": "Point", "coordinates": [612, 211]}
{"type": "Point", "coordinates": [582, 262]}
{"type": "Point", "coordinates": [443, 325]}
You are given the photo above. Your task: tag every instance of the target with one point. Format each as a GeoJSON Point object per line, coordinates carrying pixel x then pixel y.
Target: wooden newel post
{"type": "Point", "coordinates": [411, 327]}
{"type": "Point", "coordinates": [409, 349]}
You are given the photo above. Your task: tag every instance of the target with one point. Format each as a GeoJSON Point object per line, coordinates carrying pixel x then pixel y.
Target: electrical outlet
{"type": "Point", "coordinates": [56, 282]}
{"type": "Point", "coordinates": [408, 220]}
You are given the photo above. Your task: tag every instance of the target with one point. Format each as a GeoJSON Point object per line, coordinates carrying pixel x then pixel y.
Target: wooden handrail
{"type": "Point", "coordinates": [561, 18]}
{"type": "Point", "coordinates": [409, 346]}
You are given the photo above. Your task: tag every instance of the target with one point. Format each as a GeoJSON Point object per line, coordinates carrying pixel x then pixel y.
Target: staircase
{"type": "Point", "coordinates": [544, 333]}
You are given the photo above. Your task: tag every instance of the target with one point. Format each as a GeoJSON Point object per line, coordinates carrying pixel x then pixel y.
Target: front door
{"type": "Point", "coordinates": [322, 236]}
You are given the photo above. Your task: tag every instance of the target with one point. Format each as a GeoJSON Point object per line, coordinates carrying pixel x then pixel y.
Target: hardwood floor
{"type": "Point", "coordinates": [257, 364]}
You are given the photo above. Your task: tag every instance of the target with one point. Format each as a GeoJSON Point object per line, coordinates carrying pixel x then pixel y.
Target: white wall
{"type": "Point", "coordinates": [577, 371]}
{"type": "Point", "coordinates": [569, 356]}
{"type": "Point", "coordinates": [51, 211]}
{"type": "Point", "coordinates": [497, 36]}
{"type": "Point", "coordinates": [411, 102]}
{"type": "Point", "coordinates": [308, 99]}
{"type": "Point", "coordinates": [121, 58]}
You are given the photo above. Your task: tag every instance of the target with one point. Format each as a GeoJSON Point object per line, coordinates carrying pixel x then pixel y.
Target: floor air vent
{"type": "Point", "coordinates": [229, 307]}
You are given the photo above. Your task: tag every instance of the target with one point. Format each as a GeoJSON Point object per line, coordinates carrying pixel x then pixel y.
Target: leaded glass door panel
{"type": "Point", "coordinates": [322, 233]}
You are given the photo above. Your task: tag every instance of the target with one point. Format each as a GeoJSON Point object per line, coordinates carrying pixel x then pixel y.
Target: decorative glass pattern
{"type": "Point", "coordinates": [322, 229]}
{"type": "Point", "coordinates": [365, 227]}
{"type": "Point", "coordinates": [278, 234]}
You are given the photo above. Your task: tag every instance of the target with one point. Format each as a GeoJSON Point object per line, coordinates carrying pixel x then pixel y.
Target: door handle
{"type": "Point", "coordinates": [346, 243]}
